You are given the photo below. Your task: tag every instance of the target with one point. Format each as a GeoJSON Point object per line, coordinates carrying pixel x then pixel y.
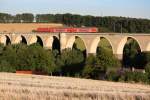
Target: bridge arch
{"type": "Point", "coordinates": [36, 39]}
{"type": "Point", "coordinates": [20, 39]}
{"type": "Point", "coordinates": [123, 42]}
{"type": "Point", "coordinates": [71, 42]}
{"type": "Point", "coordinates": [95, 42]}
{"type": "Point", "coordinates": [50, 41]}
{"type": "Point", "coordinates": [39, 40]}
{"type": "Point", "coordinates": [8, 40]}
{"type": "Point", "coordinates": [56, 43]}
{"type": "Point", "coordinates": [23, 39]}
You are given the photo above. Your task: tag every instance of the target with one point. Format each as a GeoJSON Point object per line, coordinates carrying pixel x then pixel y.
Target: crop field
{"type": "Point", "coordinates": [35, 87]}
{"type": "Point", "coordinates": [24, 27]}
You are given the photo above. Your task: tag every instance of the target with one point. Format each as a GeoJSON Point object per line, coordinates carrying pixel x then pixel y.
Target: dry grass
{"type": "Point", "coordinates": [32, 87]}
{"type": "Point", "coordinates": [25, 27]}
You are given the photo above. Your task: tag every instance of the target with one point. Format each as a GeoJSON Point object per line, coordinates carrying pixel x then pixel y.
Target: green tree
{"type": "Point", "coordinates": [130, 54]}
{"type": "Point", "coordinates": [17, 18]}
{"type": "Point", "coordinates": [71, 62]}
{"type": "Point", "coordinates": [76, 20]}
{"type": "Point", "coordinates": [23, 57]}
{"type": "Point", "coordinates": [107, 60]}
{"type": "Point", "coordinates": [45, 18]}
{"type": "Point", "coordinates": [40, 59]}
{"type": "Point", "coordinates": [97, 66]}
{"type": "Point", "coordinates": [6, 18]}
{"type": "Point", "coordinates": [67, 19]}
{"type": "Point", "coordinates": [8, 57]}
{"type": "Point", "coordinates": [5, 66]}
{"type": "Point", "coordinates": [27, 17]}
{"type": "Point", "coordinates": [58, 18]}
{"type": "Point", "coordinates": [106, 24]}
{"type": "Point", "coordinates": [91, 69]}
{"type": "Point", "coordinates": [87, 21]}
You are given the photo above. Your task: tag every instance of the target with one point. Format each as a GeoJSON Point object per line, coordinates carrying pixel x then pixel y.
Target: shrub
{"type": "Point", "coordinates": [136, 77]}
{"type": "Point", "coordinates": [6, 67]}
{"type": "Point", "coordinates": [71, 62]}
{"type": "Point", "coordinates": [133, 77]}
{"type": "Point", "coordinates": [107, 60]}
{"type": "Point", "coordinates": [92, 69]}
{"type": "Point", "coordinates": [93, 72]}
{"type": "Point", "coordinates": [147, 68]}
{"type": "Point", "coordinates": [112, 76]}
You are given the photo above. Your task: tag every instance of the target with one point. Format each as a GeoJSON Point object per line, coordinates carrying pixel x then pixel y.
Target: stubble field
{"type": "Point", "coordinates": [35, 87]}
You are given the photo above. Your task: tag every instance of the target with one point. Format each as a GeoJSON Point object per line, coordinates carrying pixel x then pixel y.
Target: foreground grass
{"type": "Point", "coordinates": [35, 87]}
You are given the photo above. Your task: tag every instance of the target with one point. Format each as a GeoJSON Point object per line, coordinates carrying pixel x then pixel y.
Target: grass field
{"type": "Point", "coordinates": [36, 87]}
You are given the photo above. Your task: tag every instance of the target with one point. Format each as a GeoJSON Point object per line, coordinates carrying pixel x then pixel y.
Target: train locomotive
{"type": "Point", "coordinates": [68, 30]}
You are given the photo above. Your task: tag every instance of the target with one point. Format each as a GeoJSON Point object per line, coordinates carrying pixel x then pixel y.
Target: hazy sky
{"type": "Point", "coordinates": [128, 8]}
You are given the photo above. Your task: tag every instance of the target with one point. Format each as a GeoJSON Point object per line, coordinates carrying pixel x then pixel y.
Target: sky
{"type": "Point", "coordinates": [126, 8]}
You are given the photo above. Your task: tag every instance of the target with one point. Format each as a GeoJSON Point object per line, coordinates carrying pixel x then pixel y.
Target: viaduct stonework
{"type": "Point", "coordinates": [90, 40]}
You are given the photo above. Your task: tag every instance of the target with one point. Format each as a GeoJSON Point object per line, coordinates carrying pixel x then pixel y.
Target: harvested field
{"type": "Point", "coordinates": [36, 87]}
{"type": "Point", "coordinates": [25, 27]}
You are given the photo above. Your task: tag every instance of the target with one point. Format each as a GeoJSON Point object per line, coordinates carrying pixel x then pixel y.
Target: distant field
{"type": "Point", "coordinates": [32, 87]}
{"type": "Point", "coordinates": [25, 27]}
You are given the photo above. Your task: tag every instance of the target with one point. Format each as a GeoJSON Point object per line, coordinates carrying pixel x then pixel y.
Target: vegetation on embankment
{"type": "Point", "coordinates": [105, 24]}
{"type": "Point", "coordinates": [70, 62]}
{"type": "Point", "coordinates": [36, 87]}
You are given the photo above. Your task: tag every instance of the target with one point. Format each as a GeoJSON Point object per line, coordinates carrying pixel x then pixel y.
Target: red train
{"type": "Point", "coordinates": [68, 30]}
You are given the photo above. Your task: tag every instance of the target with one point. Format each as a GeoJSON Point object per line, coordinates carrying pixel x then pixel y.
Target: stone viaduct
{"type": "Point", "coordinates": [90, 40]}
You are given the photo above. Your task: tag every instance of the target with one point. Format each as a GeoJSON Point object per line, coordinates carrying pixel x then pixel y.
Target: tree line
{"type": "Point", "coordinates": [70, 62]}
{"type": "Point", "coordinates": [105, 24]}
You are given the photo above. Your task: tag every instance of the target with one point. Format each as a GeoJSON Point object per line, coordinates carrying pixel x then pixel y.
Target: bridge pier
{"type": "Point", "coordinates": [63, 40]}
{"type": "Point", "coordinates": [119, 56]}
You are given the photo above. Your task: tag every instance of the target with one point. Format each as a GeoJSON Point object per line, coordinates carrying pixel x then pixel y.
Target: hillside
{"type": "Point", "coordinates": [36, 87]}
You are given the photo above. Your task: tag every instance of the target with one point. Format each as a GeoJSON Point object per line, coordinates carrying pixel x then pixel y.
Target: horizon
{"type": "Point", "coordinates": [118, 8]}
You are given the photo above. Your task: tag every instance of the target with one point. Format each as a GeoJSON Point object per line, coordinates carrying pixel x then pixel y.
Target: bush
{"type": "Point", "coordinates": [147, 68]}
{"type": "Point", "coordinates": [71, 62]}
{"type": "Point", "coordinates": [136, 77]}
{"type": "Point", "coordinates": [23, 57]}
{"type": "Point", "coordinates": [6, 67]}
{"type": "Point", "coordinates": [41, 60]}
{"type": "Point", "coordinates": [133, 77]}
{"type": "Point", "coordinates": [93, 72]}
{"type": "Point", "coordinates": [112, 76]}
{"type": "Point", "coordinates": [97, 66]}
{"type": "Point", "coordinates": [91, 69]}
{"type": "Point", "coordinates": [106, 60]}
